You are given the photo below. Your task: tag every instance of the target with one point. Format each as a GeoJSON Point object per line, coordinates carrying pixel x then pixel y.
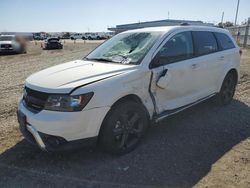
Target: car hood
{"type": "Point", "coordinates": [65, 77]}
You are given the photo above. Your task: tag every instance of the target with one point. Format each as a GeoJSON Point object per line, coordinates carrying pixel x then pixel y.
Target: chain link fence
{"type": "Point", "coordinates": [241, 34]}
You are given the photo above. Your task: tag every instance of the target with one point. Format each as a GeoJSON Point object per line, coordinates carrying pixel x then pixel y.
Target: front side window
{"type": "Point", "coordinates": [178, 48]}
{"type": "Point", "coordinates": [204, 42]}
{"type": "Point", "coordinates": [125, 48]}
{"type": "Point", "coordinates": [224, 41]}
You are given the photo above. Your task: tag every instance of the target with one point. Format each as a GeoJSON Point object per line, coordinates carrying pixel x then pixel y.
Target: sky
{"type": "Point", "coordinates": [97, 15]}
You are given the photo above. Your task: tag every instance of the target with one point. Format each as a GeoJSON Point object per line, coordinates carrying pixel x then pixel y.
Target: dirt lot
{"type": "Point", "coordinates": [205, 146]}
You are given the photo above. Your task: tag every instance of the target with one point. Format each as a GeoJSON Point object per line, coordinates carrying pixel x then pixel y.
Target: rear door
{"type": "Point", "coordinates": [209, 62]}
{"type": "Point", "coordinates": [228, 54]}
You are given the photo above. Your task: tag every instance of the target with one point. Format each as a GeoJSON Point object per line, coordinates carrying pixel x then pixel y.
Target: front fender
{"type": "Point", "coordinates": [109, 91]}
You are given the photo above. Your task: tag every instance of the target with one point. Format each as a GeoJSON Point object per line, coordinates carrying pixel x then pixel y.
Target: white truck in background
{"type": "Point", "coordinates": [89, 36]}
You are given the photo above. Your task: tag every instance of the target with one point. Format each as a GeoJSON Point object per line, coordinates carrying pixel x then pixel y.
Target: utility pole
{"type": "Point", "coordinates": [246, 33]}
{"type": "Point", "coordinates": [237, 10]}
{"type": "Point", "coordinates": [222, 18]}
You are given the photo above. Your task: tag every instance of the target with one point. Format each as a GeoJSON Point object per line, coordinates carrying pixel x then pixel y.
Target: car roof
{"type": "Point", "coordinates": [166, 29]}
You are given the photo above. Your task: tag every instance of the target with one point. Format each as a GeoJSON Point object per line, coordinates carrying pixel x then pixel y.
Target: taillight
{"type": "Point", "coordinates": [240, 52]}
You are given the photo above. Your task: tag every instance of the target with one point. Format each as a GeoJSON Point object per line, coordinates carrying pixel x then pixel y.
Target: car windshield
{"type": "Point", "coordinates": [6, 38]}
{"type": "Point", "coordinates": [125, 48]}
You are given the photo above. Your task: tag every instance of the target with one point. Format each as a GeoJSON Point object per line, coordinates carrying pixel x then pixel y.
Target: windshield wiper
{"type": "Point", "coordinates": [123, 59]}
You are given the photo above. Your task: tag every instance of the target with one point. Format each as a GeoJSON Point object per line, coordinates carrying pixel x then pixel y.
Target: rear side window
{"type": "Point", "coordinates": [224, 41]}
{"type": "Point", "coordinates": [204, 42]}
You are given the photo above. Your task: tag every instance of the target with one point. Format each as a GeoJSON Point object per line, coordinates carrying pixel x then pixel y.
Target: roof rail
{"type": "Point", "coordinates": [184, 24]}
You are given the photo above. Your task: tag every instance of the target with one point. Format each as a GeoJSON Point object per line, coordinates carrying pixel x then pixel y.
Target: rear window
{"type": "Point", "coordinates": [204, 42]}
{"type": "Point", "coordinates": [53, 40]}
{"type": "Point", "coordinates": [224, 41]}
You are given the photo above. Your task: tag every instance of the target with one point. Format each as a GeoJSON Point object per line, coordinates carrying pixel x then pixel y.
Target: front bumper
{"type": "Point", "coordinates": [61, 130]}
{"type": "Point", "coordinates": [52, 143]}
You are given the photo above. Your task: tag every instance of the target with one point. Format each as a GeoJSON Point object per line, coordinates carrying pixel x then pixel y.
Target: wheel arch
{"type": "Point", "coordinates": [234, 72]}
{"type": "Point", "coordinates": [129, 97]}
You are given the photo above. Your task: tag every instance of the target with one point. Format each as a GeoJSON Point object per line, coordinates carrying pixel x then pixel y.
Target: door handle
{"type": "Point", "coordinates": [221, 57]}
{"type": "Point", "coordinates": [194, 66]}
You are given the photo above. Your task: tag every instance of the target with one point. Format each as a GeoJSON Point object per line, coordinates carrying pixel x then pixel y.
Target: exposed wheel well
{"type": "Point", "coordinates": [130, 97]}
{"type": "Point", "coordinates": [134, 98]}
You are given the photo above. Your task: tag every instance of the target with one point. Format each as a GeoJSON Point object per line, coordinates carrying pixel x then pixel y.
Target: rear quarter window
{"type": "Point", "coordinates": [204, 42]}
{"type": "Point", "coordinates": [224, 41]}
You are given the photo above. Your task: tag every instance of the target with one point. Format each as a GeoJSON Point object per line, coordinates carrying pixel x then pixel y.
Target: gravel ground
{"type": "Point", "coordinates": [205, 146]}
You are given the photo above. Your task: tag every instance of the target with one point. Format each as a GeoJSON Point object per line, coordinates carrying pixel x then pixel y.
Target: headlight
{"type": "Point", "coordinates": [67, 103]}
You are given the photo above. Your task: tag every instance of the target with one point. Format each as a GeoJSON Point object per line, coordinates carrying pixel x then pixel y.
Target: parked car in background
{"type": "Point", "coordinates": [77, 36]}
{"type": "Point", "coordinates": [52, 43]}
{"type": "Point", "coordinates": [95, 36]}
{"type": "Point", "coordinates": [137, 76]}
{"type": "Point", "coordinates": [39, 37]}
{"type": "Point", "coordinates": [36, 37]}
{"type": "Point", "coordinates": [65, 35]}
{"type": "Point", "coordinates": [12, 44]}
{"type": "Point", "coordinates": [89, 36]}
{"type": "Point", "coordinates": [92, 36]}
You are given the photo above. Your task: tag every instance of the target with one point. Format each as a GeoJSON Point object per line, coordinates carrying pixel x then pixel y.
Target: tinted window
{"type": "Point", "coordinates": [178, 48]}
{"type": "Point", "coordinates": [204, 42]}
{"type": "Point", "coordinates": [224, 41]}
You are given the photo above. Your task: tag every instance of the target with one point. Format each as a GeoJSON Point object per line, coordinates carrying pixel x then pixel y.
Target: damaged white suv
{"type": "Point", "coordinates": [135, 77]}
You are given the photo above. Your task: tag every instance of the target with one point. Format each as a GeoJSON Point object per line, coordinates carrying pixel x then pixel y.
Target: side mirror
{"type": "Point", "coordinates": [164, 79]}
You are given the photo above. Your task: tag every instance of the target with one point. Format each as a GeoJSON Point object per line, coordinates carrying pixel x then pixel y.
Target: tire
{"type": "Point", "coordinates": [123, 127]}
{"type": "Point", "coordinates": [225, 96]}
{"type": "Point", "coordinates": [89, 38]}
{"type": "Point", "coordinates": [22, 50]}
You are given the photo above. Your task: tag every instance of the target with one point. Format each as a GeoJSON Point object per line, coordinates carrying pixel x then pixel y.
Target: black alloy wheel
{"type": "Point", "coordinates": [225, 96]}
{"type": "Point", "coordinates": [123, 128]}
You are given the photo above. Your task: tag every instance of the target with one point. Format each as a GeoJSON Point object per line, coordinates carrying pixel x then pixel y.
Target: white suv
{"type": "Point", "coordinates": [10, 43]}
{"type": "Point", "coordinates": [77, 36]}
{"type": "Point", "coordinates": [135, 77]}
